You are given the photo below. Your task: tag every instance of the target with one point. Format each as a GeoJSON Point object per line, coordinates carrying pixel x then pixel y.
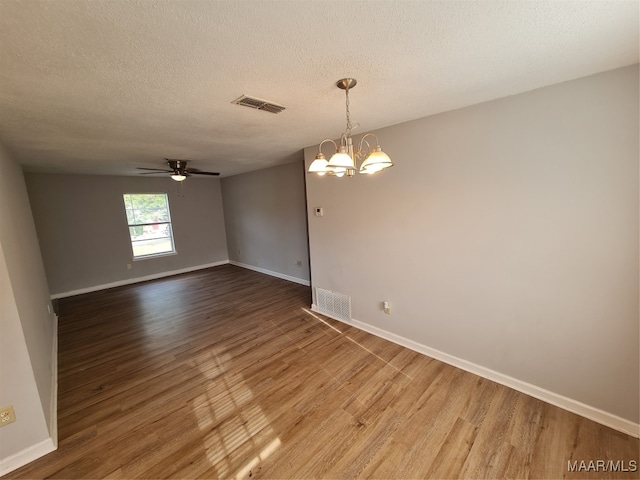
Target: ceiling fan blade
{"type": "Point", "coordinates": [195, 171]}
{"type": "Point", "coordinates": [152, 173]}
{"type": "Point", "coordinates": [157, 170]}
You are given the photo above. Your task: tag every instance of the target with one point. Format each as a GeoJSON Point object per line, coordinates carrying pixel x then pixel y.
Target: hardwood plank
{"type": "Point", "coordinates": [454, 451]}
{"type": "Point", "coordinates": [490, 453]}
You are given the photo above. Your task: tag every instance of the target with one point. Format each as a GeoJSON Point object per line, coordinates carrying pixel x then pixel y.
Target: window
{"type": "Point", "coordinates": [149, 224]}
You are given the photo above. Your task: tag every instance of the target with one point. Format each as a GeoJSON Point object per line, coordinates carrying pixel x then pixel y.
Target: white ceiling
{"type": "Point", "coordinates": [106, 86]}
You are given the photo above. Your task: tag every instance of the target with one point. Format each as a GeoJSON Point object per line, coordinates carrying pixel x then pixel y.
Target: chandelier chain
{"type": "Point", "coordinates": [346, 91]}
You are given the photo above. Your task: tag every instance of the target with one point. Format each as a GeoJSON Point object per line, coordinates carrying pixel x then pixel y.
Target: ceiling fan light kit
{"type": "Point", "coordinates": [344, 161]}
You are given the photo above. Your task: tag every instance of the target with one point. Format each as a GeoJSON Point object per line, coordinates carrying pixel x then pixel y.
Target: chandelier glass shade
{"type": "Point", "coordinates": [345, 160]}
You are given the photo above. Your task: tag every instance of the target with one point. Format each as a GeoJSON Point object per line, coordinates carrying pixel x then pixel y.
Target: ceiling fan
{"type": "Point", "coordinates": [178, 170]}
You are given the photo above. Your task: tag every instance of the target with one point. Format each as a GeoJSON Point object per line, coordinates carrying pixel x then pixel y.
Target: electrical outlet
{"type": "Point", "coordinates": [128, 266]}
{"type": "Point", "coordinates": [7, 415]}
{"type": "Point", "coordinates": [298, 263]}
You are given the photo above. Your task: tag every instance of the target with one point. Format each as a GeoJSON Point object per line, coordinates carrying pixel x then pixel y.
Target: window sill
{"type": "Point", "coordinates": [155, 255]}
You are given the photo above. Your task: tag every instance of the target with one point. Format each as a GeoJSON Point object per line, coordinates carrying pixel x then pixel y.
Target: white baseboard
{"type": "Point", "coordinates": [53, 414]}
{"type": "Point", "coordinates": [273, 274]}
{"type": "Point", "coordinates": [25, 456]}
{"type": "Point", "coordinates": [574, 406]}
{"type": "Point", "coordinates": [129, 281]}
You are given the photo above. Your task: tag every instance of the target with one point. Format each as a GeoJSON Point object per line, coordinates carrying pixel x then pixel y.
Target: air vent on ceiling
{"type": "Point", "coordinates": [258, 104]}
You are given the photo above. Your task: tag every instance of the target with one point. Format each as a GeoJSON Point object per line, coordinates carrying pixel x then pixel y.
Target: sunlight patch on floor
{"type": "Point", "coordinates": [211, 364]}
{"type": "Point", "coordinates": [235, 426]}
{"type": "Point", "coordinates": [309, 312]}
{"type": "Point", "coordinates": [254, 462]}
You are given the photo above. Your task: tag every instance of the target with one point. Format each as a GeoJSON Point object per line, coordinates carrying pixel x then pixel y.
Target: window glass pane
{"type": "Point", "coordinates": [147, 232]}
{"type": "Point", "coordinates": [149, 201]}
{"type": "Point", "coordinates": [162, 215]}
{"type": "Point", "coordinates": [151, 215]}
{"type": "Point", "coordinates": [152, 247]}
{"type": "Point", "coordinates": [129, 216]}
{"type": "Point", "coordinates": [135, 232]}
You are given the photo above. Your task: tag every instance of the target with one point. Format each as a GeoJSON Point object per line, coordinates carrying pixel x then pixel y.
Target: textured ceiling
{"type": "Point", "coordinates": [106, 86]}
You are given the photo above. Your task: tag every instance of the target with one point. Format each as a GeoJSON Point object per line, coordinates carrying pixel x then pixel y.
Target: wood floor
{"type": "Point", "coordinates": [224, 373]}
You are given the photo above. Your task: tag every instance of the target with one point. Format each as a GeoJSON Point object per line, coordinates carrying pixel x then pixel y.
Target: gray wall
{"type": "Point", "coordinates": [265, 219]}
{"type": "Point", "coordinates": [506, 235]}
{"type": "Point", "coordinates": [83, 232]}
{"type": "Point", "coordinates": [26, 326]}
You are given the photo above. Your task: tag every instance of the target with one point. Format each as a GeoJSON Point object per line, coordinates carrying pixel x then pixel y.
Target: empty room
{"type": "Point", "coordinates": [319, 239]}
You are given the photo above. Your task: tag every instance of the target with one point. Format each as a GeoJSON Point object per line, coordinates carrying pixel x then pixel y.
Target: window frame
{"type": "Point", "coordinates": [128, 206]}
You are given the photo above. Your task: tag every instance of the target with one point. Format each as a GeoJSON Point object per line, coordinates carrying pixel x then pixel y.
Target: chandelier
{"type": "Point", "coordinates": [344, 161]}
